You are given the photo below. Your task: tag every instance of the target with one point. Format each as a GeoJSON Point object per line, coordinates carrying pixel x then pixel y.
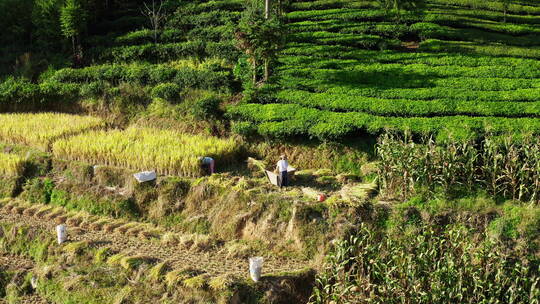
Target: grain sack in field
{"type": "Point", "coordinates": [255, 268]}
{"type": "Point", "coordinates": [145, 176]}
{"type": "Point", "coordinates": [61, 233]}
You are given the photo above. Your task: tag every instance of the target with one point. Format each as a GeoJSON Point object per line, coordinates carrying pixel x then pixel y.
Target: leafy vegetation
{"type": "Point", "coordinates": [426, 265]}
{"type": "Point", "coordinates": [360, 66]}
{"type": "Point", "coordinates": [443, 207]}
{"type": "Point", "coordinates": [503, 166]}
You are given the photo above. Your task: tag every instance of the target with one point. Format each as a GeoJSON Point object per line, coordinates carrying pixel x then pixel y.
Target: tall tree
{"type": "Point", "coordinates": [259, 37]}
{"type": "Point", "coordinates": [73, 21]}
{"type": "Point", "coordinates": [47, 33]}
{"type": "Point", "coordinates": [400, 5]}
{"type": "Point", "coordinates": [505, 6]}
{"type": "Point", "coordinates": [155, 15]}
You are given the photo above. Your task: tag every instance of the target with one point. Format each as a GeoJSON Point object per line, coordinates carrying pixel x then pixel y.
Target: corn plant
{"type": "Point", "coordinates": [504, 166]}
{"type": "Point", "coordinates": [426, 265]}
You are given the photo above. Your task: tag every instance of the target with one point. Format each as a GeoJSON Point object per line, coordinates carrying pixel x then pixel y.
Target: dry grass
{"type": "Point", "coordinates": [112, 225]}
{"type": "Point", "coordinates": [156, 273]}
{"type": "Point", "coordinates": [199, 242]}
{"type": "Point", "coordinates": [43, 210]}
{"type": "Point", "coordinates": [124, 228]}
{"type": "Point", "coordinates": [18, 210]}
{"type": "Point", "coordinates": [197, 282]}
{"type": "Point", "coordinates": [31, 211]}
{"type": "Point", "coordinates": [98, 225]}
{"type": "Point", "coordinates": [170, 238]}
{"type": "Point", "coordinates": [75, 248]}
{"type": "Point", "coordinates": [360, 193]}
{"type": "Point", "coordinates": [221, 283]}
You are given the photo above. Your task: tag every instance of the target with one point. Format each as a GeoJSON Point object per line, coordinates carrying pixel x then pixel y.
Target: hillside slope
{"type": "Point", "coordinates": [459, 67]}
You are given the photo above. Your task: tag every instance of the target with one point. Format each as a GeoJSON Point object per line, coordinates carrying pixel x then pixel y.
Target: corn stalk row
{"type": "Point", "coordinates": [426, 267]}
{"type": "Point", "coordinates": [504, 166]}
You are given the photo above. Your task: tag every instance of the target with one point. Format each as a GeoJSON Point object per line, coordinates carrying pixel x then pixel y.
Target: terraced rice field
{"type": "Point", "coordinates": [41, 129]}
{"type": "Point", "coordinates": [167, 152]}
{"type": "Point", "coordinates": [349, 67]}
{"type": "Point", "coordinates": [11, 165]}
{"type": "Point", "coordinates": [133, 239]}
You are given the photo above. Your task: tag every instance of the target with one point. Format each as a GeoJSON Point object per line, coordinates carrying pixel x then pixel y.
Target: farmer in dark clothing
{"type": "Point", "coordinates": [282, 166]}
{"type": "Point", "coordinates": [209, 164]}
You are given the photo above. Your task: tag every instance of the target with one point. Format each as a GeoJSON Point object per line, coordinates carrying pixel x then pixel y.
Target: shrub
{"type": "Point", "coordinates": [168, 91]}
{"type": "Point", "coordinates": [206, 108]}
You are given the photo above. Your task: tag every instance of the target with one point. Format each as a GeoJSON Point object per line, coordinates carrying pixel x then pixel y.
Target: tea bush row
{"type": "Point", "coordinates": [20, 94]}
{"type": "Point", "coordinates": [330, 4]}
{"type": "Point", "coordinates": [409, 76]}
{"type": "Point", "coordinates": [295, 66]}
{"type": "Point", "coordinates": [407, 107]}
{"type": "Point", "coordinates": [518, 8]}
{"type": "Point", "coordinates": [493, 49]}
{"type": "Point", "coordinates": [445, 67]}
{"type": "Point", "coordinates": [168, 51]}
{"type": "Point", "coordinates": [284, 120]}
{"type": "Point", "coordinates": [211, 74]}
{"type": "Point", "coordinates": [435, 58]}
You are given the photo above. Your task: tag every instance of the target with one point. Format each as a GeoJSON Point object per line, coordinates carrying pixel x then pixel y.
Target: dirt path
{"type": "Point", "coordinates": [18, 263]}
{"type": "Point", "coordinates": [13, 262]}
{"type": "Point", "coordinates": [213, 261]}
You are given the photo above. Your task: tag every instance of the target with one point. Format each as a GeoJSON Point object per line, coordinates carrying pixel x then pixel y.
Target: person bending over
{"type": "Point", "coordinates": [208, 163]}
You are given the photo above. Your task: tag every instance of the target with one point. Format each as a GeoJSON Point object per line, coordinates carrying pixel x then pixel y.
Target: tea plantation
{"type": "Point", "coordinates": [455, 68]}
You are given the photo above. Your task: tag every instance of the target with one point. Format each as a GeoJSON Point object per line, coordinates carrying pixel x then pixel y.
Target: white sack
{"type": "Point", "coordinates": [61, 233]}
{"type": "Point", "coordinates": [255, 268]}
{"type": "Point", "coordinates": [145, 176]}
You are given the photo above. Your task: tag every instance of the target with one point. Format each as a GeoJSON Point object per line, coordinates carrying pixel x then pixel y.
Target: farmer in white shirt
{"type": "Point", "coordinates": [208, 163]}
{"type": "Point", "coordinates": [282, 166]}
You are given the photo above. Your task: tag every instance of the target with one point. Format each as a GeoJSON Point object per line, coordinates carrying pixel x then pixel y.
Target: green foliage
{"type": "Point", "coordinates": [72, 20]}
{"type": "Point", "coordinates": [259, 38]}
{"type": "Point", "coordinates": [207, 107]}
{"type": "Point", "coordinates": [425, 265]}
{"type": "Point", "coordinates": [470, 74]}
{"type": "Point", "coordinates": [166, 51]}
{"type": "Point", "coordinates": [504, 166]}
{"type": "Point", "coordinates": [168, 91]}
{"type": "Point", "coordinates": [285, 120]}
{"type": "Point", "coordinates": [399, 5]}
{"type": "Point", "coordinates": [106, 206]}
{"type": "Point", "coordinates": [20, 94]}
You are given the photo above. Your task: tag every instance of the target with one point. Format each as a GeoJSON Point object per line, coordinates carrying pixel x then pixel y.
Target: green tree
{"type": "Point", "coordinates": [73, 21]}
{"type": "Point", "coordinates": [46, 21]}
{"type": "Point", "coordinates": [259, 38]}
{"type": "Point", "coordinates": [505, 6]}
{"type": "Point", "coordinates": [399, 5]}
